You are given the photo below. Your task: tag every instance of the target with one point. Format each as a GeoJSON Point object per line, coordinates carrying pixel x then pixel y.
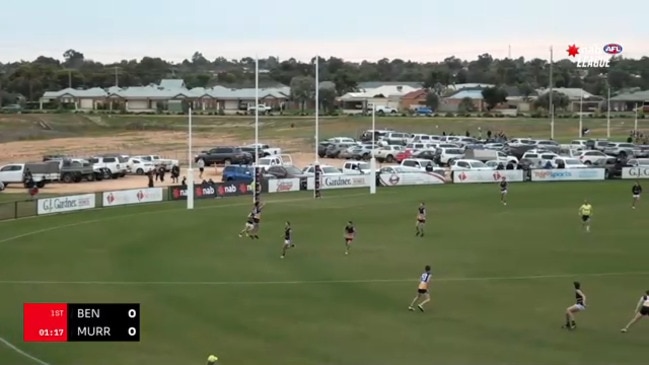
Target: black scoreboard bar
{"type": "Point", "coordinates": [103, 322]}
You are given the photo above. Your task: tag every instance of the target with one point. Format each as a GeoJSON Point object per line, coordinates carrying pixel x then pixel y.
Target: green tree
{"type": "Point", "coordinates": [493, 96]}
{"type": "Point", "coordinates": [302, 90]}
{"type": "Point", "coordinates": [560, 100]}
{"type": "Point", "coordinates": [327, 96]}
{"type": "Point", "coordinates": [432, 100]}
{"type": "Point", "coordinates": [466, 105]}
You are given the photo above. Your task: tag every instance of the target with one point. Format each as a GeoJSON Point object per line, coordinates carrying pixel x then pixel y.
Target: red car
{"type": "Point", "coordinates": [403, 155]}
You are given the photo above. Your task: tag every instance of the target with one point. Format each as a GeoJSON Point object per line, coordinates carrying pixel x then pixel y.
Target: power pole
{"type": "Point", "coordinates": [550, 96]}
{"type": "Point", "coordinates": [116, 68]}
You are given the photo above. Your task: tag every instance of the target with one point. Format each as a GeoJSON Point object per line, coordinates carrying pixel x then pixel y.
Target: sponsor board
{"type": "Point", "coordinates": [133, 196]}
{"type": "Point", "coordinates": [234, 188]}
{"type": "Point", "coordinates": [392, 177]}
{"type": "Point", "coordinates": [341, 182]}
{"type": "Point", "coordinates": [283, 185]}
{"type": "Point", "coordinates": [640, 172]}
{"type": "Point", "coordinates": [567, 174]}
{"type": "Point", "coordinates": [201, 191]}
{"type": "Point", "coordinates": [66, 204]}
{"type": "Point", "coordinates": [487, 176]}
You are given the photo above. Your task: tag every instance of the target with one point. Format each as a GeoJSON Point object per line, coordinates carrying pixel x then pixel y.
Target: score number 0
{"type": "Point", "coordinates": [132, 313]}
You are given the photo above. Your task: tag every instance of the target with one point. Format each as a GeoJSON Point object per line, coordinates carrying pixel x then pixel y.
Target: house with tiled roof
{"type": "Point", "coordinates": [385, 95]}
{"type": "Point", "coordinates": [170, 95]}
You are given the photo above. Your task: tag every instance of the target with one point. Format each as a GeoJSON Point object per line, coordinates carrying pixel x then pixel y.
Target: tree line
{"type": "Point", "coordinates": [32, 78]}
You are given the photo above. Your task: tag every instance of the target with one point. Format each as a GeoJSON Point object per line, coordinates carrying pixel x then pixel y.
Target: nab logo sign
{"type": "Point", "coordinates": [613, 49]}
{"type": "Point", "coordinates": [230, 189]}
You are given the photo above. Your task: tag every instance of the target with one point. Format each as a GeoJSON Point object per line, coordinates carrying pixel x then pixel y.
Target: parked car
{"type": "Point", "coordinates": [424, 155]}
{"type": "Point", "coordinates": [326, 170]}
{"type": "Point", "coordinates": [422, 111]}
{"type": "Point", "coordinates": [364, 153]}
{"type": "Point", "coordinates": [421, 164]}
{"type": "Point", "coordinates": [621, 149]}
{"type": "Point", "coordinates": [387, 153]}
{"type": "Point", "coordinates": [612, 165]}
{"type": "Point", "coordinates": [138, 166]}
{"type": "Point", "coordinates": [589, 157]}
{"type": "Point", "coordinates": [110, 163]}
{"type": "Point", "coordinates": [446, 156]}
{"type": "Point", "coordinates": [568, 163]}
{"type": "Point", "coordinates": [349, 152]}
{"type": "Point", "coordinates": [322, 148]}
{"type": "Point", "coordinates": [334, 149]}
{"type": "Point", "coordinates": [288, 172]}
{"type": "Point", "coordinates": [468, 164]}
{"type": "Point", "coordinates": [42, 173]}
{"type": "Point", "coordinates": [225, 155]}
{"type": "Point", "coordinates": [356, 168]}
{"type": "Point", "coordinates": [238, 173]}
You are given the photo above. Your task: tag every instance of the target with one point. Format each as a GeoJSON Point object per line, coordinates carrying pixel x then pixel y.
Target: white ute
{"type": "Point", "coordinates": [41, 173]}
{"type": "Point", "coordinates": [356, 168]}
{"type": "Point", "coordinates": [278, 160]}
{"type": "Point", "coordinates": [265, 150]}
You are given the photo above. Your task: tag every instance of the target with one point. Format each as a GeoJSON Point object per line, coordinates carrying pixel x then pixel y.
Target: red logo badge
{"type": "Point", "coordinates": [573, 51]}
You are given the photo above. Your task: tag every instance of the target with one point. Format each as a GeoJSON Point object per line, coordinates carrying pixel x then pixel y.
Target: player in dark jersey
{"type": "Point", "coordinates": [256, 218]}
{"type": "Point", "coordinates": [421, 220]}
{"type": "Point", "coordinates": [350, 233]}
{"type": "Point", "coordinates": [641, 310]}
{"type": "Point", "coordinates": [636, 190]}
{"type": "Point", "coordinates": [504, 185]}
{"type": "Point", "coordinates": [288, 238]}
{"type": "Point", "coordinates": [248, 229]}
{"type": "Point", "coordinates": [579, 306]}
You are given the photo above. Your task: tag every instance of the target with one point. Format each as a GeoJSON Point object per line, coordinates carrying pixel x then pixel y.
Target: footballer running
{"type": "Point", "coordinates": [349, 234]}
{"type": "Point", "coordinates": [421, 220]}
{"type": "Point", "coordinates": [422, 291]}
{"type": "Point", "coordinates": [288, 239]}
{"type": "Point", "coordinates": [579, 306]}
{"type": "Point", "coordinates": [636, 190]}
{"type": "Point", "coordinates": [585, 211]}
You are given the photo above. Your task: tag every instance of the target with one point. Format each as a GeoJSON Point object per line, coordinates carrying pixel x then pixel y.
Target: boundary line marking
{"type": "Point", "coordinates": [308, 282]}
{"type": "Point", "coordinates": [98, 220]}
{"type": "Point", "coordinates": [21, 352]}
{"type": "Point", "coordinates": [151, 212]}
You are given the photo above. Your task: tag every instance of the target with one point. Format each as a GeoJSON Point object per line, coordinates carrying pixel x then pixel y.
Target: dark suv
{"type": "Point", "coordinates": [225, 156]}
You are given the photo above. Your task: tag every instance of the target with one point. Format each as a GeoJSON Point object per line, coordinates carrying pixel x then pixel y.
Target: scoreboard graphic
{"type": "Point", "coordinates": [73, 322]}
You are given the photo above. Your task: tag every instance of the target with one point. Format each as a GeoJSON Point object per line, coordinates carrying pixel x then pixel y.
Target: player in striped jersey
{"type": "Point", "coordinates": [641, 310]}
{"type": "Point", "coordinates": [422, 290]}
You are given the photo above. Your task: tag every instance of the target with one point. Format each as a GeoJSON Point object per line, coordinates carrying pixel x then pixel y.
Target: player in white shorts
{"type": "Point", "coordinates": [641, 310]}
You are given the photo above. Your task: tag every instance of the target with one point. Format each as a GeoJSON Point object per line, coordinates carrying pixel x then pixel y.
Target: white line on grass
{"type": "Point", "coordinates": [79, 223]}
{"type": "Point", "coordinates": [23, 353]}
{"type": "Point", "coordinates": [308, 282]}
{"type": "Point", "coordinates": [138, 214]}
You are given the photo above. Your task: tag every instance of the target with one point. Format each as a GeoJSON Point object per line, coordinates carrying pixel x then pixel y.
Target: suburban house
{"type": "Point", "coordinates": [451, 103]}
{"type": "Point", "coordinates": [577, 96]}
{"type": "Point", "coordinates": [413, 99]}
{"type": "Point", "coordinates": [629, 101]}
{"type": "Point", "coordinates": [170, 95]}
{"type": "Point", "coordinates": [386, 94]}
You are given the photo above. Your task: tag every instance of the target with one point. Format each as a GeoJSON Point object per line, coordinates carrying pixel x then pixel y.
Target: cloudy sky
{"type": "Point", "coordinates": [352, 29]}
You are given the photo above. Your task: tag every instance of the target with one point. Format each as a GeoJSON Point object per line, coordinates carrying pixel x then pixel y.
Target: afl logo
{"type": "Point", "coordinates": [613, 48]}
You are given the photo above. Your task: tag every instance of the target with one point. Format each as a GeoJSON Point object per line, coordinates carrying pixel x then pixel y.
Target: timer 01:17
{"type": "Point", "coordinates": [57, 332]}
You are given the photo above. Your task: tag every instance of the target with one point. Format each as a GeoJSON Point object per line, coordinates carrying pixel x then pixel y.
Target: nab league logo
{"type": "Point", "coordinates": [594, 56]}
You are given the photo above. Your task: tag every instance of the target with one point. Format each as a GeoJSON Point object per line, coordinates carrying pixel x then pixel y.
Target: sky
{"type": "Point", "coordinates": [354, 30]}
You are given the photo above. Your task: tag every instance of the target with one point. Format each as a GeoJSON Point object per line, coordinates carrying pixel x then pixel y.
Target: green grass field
{"type": "Point", "coordinates": [502, 278]}
{"type": "Point", "coordinates": [29, 127]}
